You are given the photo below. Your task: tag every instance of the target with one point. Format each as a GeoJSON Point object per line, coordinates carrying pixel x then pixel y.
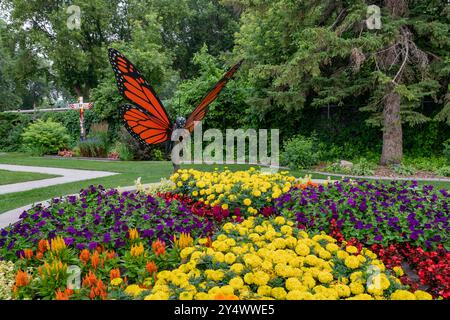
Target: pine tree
{"type": "Point", "coordinates": [316, 53]}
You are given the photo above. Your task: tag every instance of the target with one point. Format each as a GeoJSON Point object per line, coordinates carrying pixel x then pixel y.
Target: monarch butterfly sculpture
{"type": "Point", "coordinates": [147, 119]}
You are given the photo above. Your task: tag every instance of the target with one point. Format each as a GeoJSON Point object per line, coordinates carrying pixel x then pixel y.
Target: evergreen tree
{"type": "Point", "coordinates": [316, 53]}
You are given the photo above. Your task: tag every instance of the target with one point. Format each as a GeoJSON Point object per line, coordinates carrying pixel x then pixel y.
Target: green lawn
{"type": "Point", "coordinates": [8, 177]}
{"type": "Point", "coordinates": [129, 171]}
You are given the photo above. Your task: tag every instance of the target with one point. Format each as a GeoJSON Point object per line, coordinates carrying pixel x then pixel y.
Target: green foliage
{"type": "Point", "coordinates": [447, 150]}
{"type": "Point", "coordinates": [97, 143]}
{"type": "Point", "coordinates": [11, 128]}
{"type": "Point", "coordinates": [363, 168]}
{"type": "Point", "coordinates": [428, 163]}
{"type": "Point", "coordinates": [403, 170]}
{"type": "Point", "coordinates": [45, 137]}
{"type": "Point", "coordinates": [300, 152]}
{"type": "Point", "coordinates": [92, 147]}
{"type": "Point", "coordinates": [125, 153]}
{"type": "Point", "coordinates": [444, 171]}
{"type": "Point", "coordinates": [229, 110]}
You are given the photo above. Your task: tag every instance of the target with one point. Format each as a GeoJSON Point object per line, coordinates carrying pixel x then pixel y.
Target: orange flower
{"type": "Point", "coordinates": [110, 255]}
{"type": "Point", "coordinates": [22, 279]}
{"type": "Point", "coordinates": [159, 247]}
{"type": "Point", "coordinates": [89, 280]}
{"type": "Point", "coordinates": [43, 245]}
{"type": "Point", "coordinates": [63, 295]}
{"type": "Point", "coordinates": [39, 255]}
{"type": "Point", "coordinates": [151, 267]}
{"type": "Point", "coordinates": [95, 260]}
{"type": "Point", "coordinates": [85, 256]}
{"type": "Point", "coordinates": [27, 253]}
{"type": "Point", "coordinates": [114, 273]}
{"type": "Point", "coordinates": [99, 290]}
{"type": "Point", "coordinates": [99, 249]}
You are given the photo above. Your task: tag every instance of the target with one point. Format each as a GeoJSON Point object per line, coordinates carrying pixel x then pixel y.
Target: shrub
{"type": "Point", "coordinates": [403, 170]}
{"type": "Point", "coordinates": [45, 137]}
{"type": "Point", "coordinates": [447, 150]}
{"type": "Point", "coordinates": [11, 129]}
{"type": "Point", "coordinates": [444, 171]}
{"type": "Point", "coordinates": [124, 152]}
{"type": "Point", "coordinates": [92, 147]}
{"type": "Point", "coordinates": [138, 151]}
{"type": "Point", "coordinates": [97, 144]}
{"type": "Point", "coordinates": [301, 152]}
{"type": "Point", "coordinates": [363, 168]}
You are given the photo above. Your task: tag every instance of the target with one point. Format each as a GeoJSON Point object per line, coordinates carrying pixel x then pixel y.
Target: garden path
{"type": "Point", "coordinates": [67, 175]}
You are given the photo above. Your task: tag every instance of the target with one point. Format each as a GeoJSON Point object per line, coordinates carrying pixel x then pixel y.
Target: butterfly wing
{"type": "Point", "coordinates": [149, 112]}
{"type": "Point", "coordinates": [143, 126]}
{"type": "Point", "coordinates": [200, 112]}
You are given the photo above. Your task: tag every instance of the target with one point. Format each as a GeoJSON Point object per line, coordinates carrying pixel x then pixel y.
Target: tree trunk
{"type": "Point", "coordinates": [392, 131]}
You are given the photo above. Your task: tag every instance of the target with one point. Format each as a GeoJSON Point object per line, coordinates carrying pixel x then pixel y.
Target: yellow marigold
{"type": "Point", "coordinates": [248, 278]}
{"type": "Point", "coordinates": [325, 277]}
{"type": "Point", "coordinates": [403, 295]}
{"type": "Point", "coordinates": [356, 288]}
{"type": "Point", "coordinates": [264, 290]}
{"type": "Point", "coordinates": [230, 258]}
{"type": "Point", "coordinates": [332, 247]}
{"type": "Point", "coordinates": [341, 254]}
{"type": "Point", "coordinates": [186, 252]}
{"type": "Point", "coordinates": [186, 295]}
{"type": "Point", "coordinates": [247, 202]}
{"type": "Point", "coordinates": [280, 220]}
{"type": "Point", "coordinates": [293, 284]}
{"type": "Point", "coordinates": [278, 293]}
{"type": "Point", "coordinates": [302, 250]}
{"type": "Point", "coordinates": [260, 278]}
{"type": "Point", "coordinates": [351, 249]}
{"type": "Point", "coordinates": [422, 295]}
{"type": "Point", "coordinates": [363, 296]}
{"type": "Point", "coordinates": [352, 262]}
{"type": "Point", "coordinates": [299, 295]}
{"type": "Point", "coordinates": [134, 290]}
{"type": "Point", "coordinates": [343, 290]}
{"type": "Point", "coordinates": [398, 271]}
{"type": "Point", "coordinates": [202, 296]}
{"type": "Point", "coordinates": [236, 282]}
{"type": "Point", "coordinates": [237, 268]}
{"type": "Point", "coordinates": [116, 281]}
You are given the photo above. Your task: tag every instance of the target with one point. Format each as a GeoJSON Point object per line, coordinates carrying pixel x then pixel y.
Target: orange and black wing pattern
{"type": "Point", "coordinates": [143, 126]}
{"type": "Point", "coordinates": [200, 112]}
{"type": "Point", "coordinates": [146, 120]}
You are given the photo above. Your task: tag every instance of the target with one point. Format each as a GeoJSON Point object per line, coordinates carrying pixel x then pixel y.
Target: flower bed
{"type": "Point", "coordinates": [269, 259]}
{"type": "Point", "coordinates": [246, 191]}
{"type": "Point", "coordinates": [102, 218]}
{"type": "Point", "coordinates": [309, 242]}
{"type": "Point", "coordinates": [373, 213]}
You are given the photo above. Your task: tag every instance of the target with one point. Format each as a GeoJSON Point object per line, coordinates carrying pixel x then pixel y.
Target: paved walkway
{"type": "Point", "coordinates": [67, 175]}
